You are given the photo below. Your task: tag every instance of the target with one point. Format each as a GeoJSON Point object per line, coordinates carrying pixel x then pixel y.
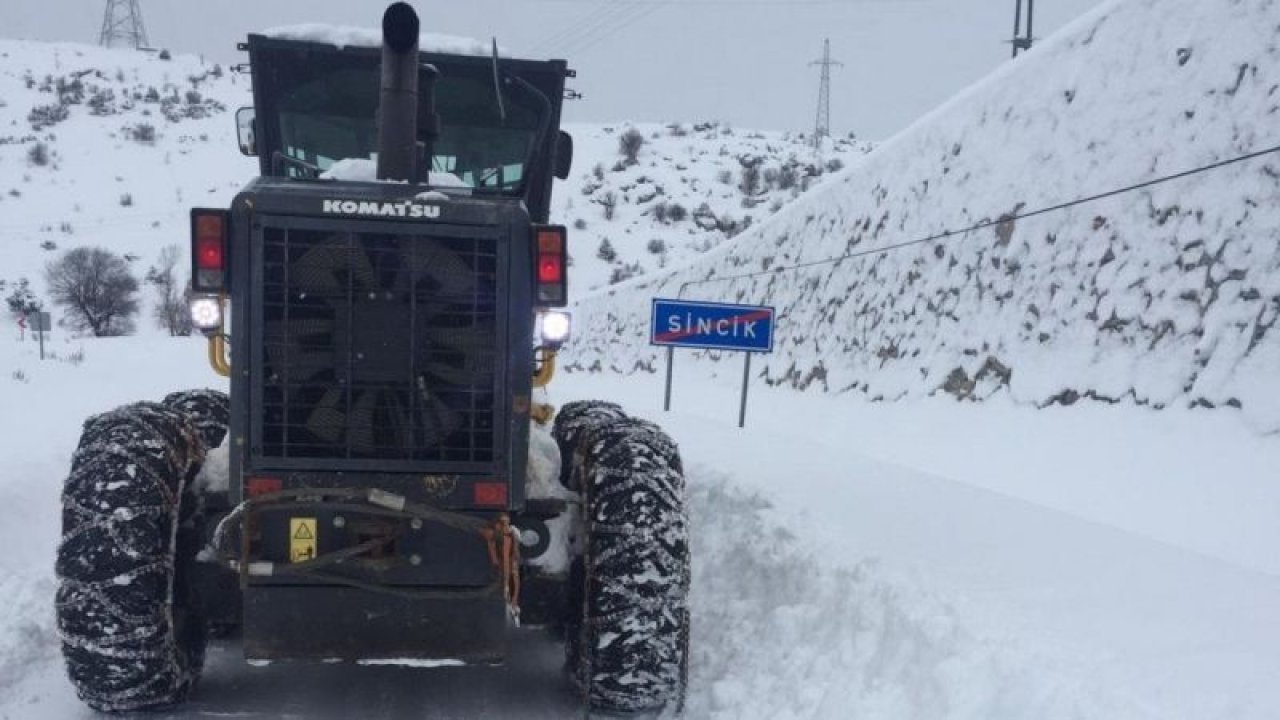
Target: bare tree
{"type": "Point", "coordinates": [96, 289]}
{"type": "Point", "coordinates": [170, 310]}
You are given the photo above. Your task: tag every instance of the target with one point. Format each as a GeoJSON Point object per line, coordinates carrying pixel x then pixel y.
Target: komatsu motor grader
{"type": "Point", "coordinates": [382, 482]}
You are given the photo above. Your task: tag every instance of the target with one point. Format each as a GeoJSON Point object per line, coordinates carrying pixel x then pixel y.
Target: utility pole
{"type": "Point", "coordinates": [822, 126]}
{"type": "Point", "coordinates": [1022, 42]}
{"type": "Point", "coordinates": [122, 25]}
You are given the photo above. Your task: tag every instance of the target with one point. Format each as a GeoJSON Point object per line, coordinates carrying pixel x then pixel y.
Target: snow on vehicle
{"type": "Point", "coordinates": [380, 484]}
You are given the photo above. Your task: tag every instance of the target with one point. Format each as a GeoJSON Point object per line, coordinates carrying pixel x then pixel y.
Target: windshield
{"type": "Point", "coordinates": [326, 114]}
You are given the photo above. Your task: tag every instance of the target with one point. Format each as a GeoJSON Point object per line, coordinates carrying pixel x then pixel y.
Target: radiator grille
{"type": "Point", "coordinates": [378, 346]}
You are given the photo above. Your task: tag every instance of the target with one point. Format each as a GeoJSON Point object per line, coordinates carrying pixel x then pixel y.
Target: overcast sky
{"type": "Point", "coordinates": [742, 61]}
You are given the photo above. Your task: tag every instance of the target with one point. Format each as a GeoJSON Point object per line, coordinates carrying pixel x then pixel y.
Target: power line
{"type": "Point", "coordinates": [553, 41]}
{"type": "Point", "coordinates": [642, 11]}
{"type": "Point", "coordinates": [948, 234]}
{"type": "Point", "coordinates": [621, 9]}
{"type": "Point", "coordinates": [590, 29]}
{"type": "Point", "coordinates": [603, 23]}
{"type": "Point", "coordinates": [740, 3]}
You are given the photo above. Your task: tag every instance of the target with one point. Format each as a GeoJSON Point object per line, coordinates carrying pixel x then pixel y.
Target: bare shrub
{"type": "Point", "coordinates": [22, 301]}
{"type": "Point", "coordinates": [46, 116]}
{"type": "Point", "coordinates": [788, 176]}
{"type": "Point", "coordinates": [38, 154]}
{"type": "Point", "coordinates": [606, 252]}
{"type": "Point", "coordinates": [170, 310]}
{"type": "Point", "coordinates": [610, 204]}
{"type": "Point", "coordinates": [749, 184]}
{"type": "Point", "coordinates": [144, 133]}
{"type": "Point", "coordinates": [629, 144]}
{"type": "Point", "coordinates": [625, 272]}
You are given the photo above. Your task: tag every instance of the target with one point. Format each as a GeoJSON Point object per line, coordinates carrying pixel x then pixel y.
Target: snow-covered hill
{"type": "Point", "coordinates": [1166, 296]}
{"type": "Point", "coordinates": [690, 188]}
{"type": "Point", "coordinates": [113, 148]}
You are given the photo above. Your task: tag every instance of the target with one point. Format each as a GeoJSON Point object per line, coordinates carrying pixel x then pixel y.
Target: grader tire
{"type": "Point", "coordinates": [627, 647]}
{"type": "Point", "coordinates": [129, 638]}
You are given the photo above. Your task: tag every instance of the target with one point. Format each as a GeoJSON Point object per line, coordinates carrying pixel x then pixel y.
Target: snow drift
{"type": "Point", "coordinates": [1166, 296]}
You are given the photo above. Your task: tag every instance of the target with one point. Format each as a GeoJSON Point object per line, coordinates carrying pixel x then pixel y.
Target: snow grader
{"type": "Point", "coordinates": [382, 482]}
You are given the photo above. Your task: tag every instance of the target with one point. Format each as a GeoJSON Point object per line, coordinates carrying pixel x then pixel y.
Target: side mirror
{"type": "Point", "coordinates": [564, 155]}
{"type": "Point", "coordinates": [245, 118]}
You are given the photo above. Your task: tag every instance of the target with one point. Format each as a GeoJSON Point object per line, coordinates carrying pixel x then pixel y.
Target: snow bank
{"type": "Point", "coordinates": [1165, 296]}
{"type": "Point", "coordinates": [781, 633]}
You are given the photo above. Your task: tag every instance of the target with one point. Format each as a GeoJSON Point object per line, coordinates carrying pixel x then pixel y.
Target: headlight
{"type": "Point", "coordinates": [554, 328]}
{"type": "Point", "coordinates": [206, 313]}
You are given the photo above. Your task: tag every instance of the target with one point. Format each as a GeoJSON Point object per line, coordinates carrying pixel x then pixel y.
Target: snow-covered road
{"type": "Point", "coordinates": [923, 560]}
{"type": "Point", "coordinates": [976, 561]}
{"type": "Point", "coordinates": [528, 686]}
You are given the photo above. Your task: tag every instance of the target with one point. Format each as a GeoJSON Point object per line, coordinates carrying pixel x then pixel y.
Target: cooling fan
{"type": "Point", "coordinates": [384, 329]}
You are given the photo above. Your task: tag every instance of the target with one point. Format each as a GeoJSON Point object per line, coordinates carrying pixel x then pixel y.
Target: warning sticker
{"type": "Point", "coordinates": [302, 539]}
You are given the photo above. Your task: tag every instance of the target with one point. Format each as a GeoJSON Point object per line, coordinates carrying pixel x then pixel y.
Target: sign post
{"type": "Point", "coordinates": [41, 326]}
{"type": "Point", "coordinates": [712, 326]}
{"type": "Point", "coordinates": [671, 359]}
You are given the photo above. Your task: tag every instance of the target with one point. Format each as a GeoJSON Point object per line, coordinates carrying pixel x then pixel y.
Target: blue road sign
{"type": "Point", "coordinates": [712, 326]}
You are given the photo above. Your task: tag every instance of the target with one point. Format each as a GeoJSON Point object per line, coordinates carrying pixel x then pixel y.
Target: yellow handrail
{"type": "Point", "coordinates": [218, 344]}
{"type": "Point", "coordinates": [546, 370]}
{"type": "Point", "coordinates": [218, 354]}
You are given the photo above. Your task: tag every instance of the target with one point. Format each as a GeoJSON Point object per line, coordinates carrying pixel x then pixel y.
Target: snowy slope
{"type": "Point", "coordinates": [689, 190]}
{"type": "Point", "coordinates": [1166, 296]}
{"type": "Point", "coordinates": [109, 181]}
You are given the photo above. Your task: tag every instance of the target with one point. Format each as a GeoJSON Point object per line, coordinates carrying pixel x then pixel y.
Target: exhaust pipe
{"type": "Point", "coordinates": [398, 108]}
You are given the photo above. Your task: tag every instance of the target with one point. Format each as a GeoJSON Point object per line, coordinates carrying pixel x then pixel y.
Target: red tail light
{"type": "Point", "coordinates": [208, 250]}
{"type": "Point", "coordinates": [490, 494]}
{"type": "Point", "coordinates": [551, 259]}
{"type": "Point", "coordinates": [256, 486]}
{"type": "Point", "coordinates": [550, 269]}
